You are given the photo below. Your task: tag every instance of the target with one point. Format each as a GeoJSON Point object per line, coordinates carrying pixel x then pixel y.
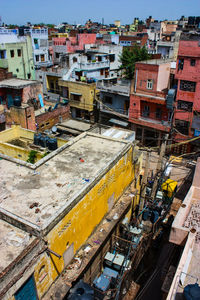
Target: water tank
{"type": "Point", "coordinates": [192, 292]}
{"type": "Point", "coordinates": [44, 140]}
{"type": "Point", "coordinates": [37, 137]}
{"type": "Point", "coordinates": [52, 144]}
{"type": "Point", "coordinates": [17, 101]}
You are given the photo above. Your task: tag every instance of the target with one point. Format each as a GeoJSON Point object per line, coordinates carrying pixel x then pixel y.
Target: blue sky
{"type": "Point", "coordinates": [57, 11]}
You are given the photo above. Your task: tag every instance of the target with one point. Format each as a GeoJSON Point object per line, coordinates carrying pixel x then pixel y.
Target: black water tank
{"type": "Point", "coordinates": [52, 144]}
{"type": "Point", "coordinates": [44, 141]}
{"type": "Point", "coordinates": [37, 137]}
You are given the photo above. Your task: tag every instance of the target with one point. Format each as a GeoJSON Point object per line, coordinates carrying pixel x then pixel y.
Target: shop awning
{"type": "Point", "coordinates": [118, 122]}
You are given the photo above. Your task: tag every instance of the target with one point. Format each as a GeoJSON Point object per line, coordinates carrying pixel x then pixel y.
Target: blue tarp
{"type": "Point", "coordinates": [41, 100]}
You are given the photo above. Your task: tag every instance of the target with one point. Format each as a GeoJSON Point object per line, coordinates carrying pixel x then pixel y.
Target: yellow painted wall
{"type": "Point", "coordinates": [54, 79]}
{"type": "Point", "coordinates": [43, 275]}
{"type": "Point", "coordinates": [86, 90]}
{"type": "Point", "coordinates": [80, 222]}
{"type": "Point", "coordinates": [16, 151]}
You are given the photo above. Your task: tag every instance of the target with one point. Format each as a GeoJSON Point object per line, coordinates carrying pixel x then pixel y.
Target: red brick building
{"type": "Point", "coordinates": [127, 40]}
{"type": "Point", "coordinates": [187, 105]}
{"type": "Point", "coordinates": [148, 113]}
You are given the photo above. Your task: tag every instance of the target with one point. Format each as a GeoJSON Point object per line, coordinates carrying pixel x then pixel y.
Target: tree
{"type": "Point", "coordinates": [130, 56]}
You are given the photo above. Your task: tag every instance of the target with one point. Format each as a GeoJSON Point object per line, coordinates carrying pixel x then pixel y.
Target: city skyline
{"type": "Point", "coordinates": [80, 12]}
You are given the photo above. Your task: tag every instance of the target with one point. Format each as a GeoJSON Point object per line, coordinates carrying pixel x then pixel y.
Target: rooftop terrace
{"type": "Point", "coordinates": [37, 197]}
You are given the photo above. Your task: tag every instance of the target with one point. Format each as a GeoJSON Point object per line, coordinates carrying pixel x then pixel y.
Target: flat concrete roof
{"type": "Point", "coordinates": [12, 242]}
{"type": "Point", "coordinates": [78, 125]}
{"type": "Point", "coordinates": [155, 61]}
{"type": "Point", "coordinates": [37, 197]}
{"type": "Point", "coordinates": [17, 83]}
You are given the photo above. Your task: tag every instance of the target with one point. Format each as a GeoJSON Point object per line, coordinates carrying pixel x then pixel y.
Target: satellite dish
{"type": "Point", "coordinates": [54, 129]}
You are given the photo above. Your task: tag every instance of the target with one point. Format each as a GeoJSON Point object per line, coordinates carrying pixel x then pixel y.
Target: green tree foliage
{"type": "Point", "coordinates": [130, 56]}
{"type": "Point", "coordinates": [32, 156]}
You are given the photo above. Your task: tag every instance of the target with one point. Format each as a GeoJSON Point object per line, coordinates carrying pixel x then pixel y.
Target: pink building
{"type": "Point", "coordinates": [187, 106]}
{"type": "Point", "coordinates": [148, 111]}
{"type": "Point", "coordinates": [72, 44]}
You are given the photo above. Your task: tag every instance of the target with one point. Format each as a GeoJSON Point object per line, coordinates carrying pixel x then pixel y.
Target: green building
{"type": "Point", "coordinates": [16, 55]}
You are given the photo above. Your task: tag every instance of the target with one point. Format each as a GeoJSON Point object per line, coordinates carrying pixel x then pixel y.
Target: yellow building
{"type": "Point", "coordinates": [56, 205]}
{"type": "Point", "coordinates": [117, 23]}
{"type": "Point", "coordinates": [81, 97]}
{"type": "Point", "coordinates": [18, 143]}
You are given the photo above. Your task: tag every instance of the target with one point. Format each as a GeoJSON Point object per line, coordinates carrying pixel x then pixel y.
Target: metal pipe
{"type": "Point", "coordinates": [54, 253]}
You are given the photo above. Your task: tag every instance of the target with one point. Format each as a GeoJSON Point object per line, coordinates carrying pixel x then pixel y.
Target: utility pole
{"type": "Point", "coordinates": [159, 166]}
{"type": "Point", "coordinates": [144, 184]}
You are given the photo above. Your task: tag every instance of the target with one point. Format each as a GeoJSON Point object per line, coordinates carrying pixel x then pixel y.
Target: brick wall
{"type": "Point", "coordinates": [49, 119]}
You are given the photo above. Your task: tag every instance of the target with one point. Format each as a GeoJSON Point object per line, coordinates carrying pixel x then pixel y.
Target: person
{"type": "Point", "coordinates": [37, 126]}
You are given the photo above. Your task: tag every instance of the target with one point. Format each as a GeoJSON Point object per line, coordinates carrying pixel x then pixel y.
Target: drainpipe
{"type": "Point", "coordinates": [136, 73]}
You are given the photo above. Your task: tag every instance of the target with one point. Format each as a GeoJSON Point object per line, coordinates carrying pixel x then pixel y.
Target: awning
{"type": "Point", "coordinates": [118, 122]}
{"type": "Point", "coordinates": [78, 94]}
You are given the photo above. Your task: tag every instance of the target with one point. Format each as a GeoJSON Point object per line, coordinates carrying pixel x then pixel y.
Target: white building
{"type": "Point", "coordinates": [40, 46]}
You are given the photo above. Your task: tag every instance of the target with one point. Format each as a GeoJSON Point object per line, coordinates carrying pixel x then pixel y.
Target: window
{"type": "Point", "coordinates": [158, 113]}
{"type": "Point", "coordinates": [12, 53]}
{"type": "Point", "coordinates": [42, 57]}
{"type": "Point", "coordinates": [108, 99]}
{"type": "Point", "coordinates": [192, 62]}
{"type": "Point", "coordinates": [112, 58]}
{"type": "Point", "coordinates": [185, 105]}
{"type": "Point", "coordinates": [29, 75]}
{"type": "Point", "coordinates": [2, 54]}
{"type": "Point", "coordinates": [102, 72]}
{"type": "Point", "coordinates": [182, 126]}
{"type": "Point", "coordinates": [187, 86]}
{"type": "Point", "coordinates": [37, 57]}
{"type": "Point", "coordinates": [150, 84]}
{"type": "Point", "coordinates": [19, 52]}
{"type": "Point", "coordinates": [75, 97]}
{"type": "Point", "coordinates": [74, 59]}
{"type": "Point", "coordinates": [180, 64]}
{"type": "Point", "coordinates": [17, 70]}
{"type": "Point", "coordinates": [146, 111]}
{"type": "Point", "coordinates": [57, 55]}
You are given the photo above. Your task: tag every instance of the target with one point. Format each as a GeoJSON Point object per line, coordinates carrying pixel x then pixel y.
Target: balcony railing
{"type": "Point", "coordinates": [94, 65]}
{"type": "Point", "coordinates": [154, 118]}
{"type": "Point", "coordinates": [121, 87]}
{"type": "Point", "coordinates": [114, 110]}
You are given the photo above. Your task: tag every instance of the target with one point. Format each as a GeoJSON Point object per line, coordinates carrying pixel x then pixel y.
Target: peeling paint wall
{"type": "Point", "coordinates": [80, 222]}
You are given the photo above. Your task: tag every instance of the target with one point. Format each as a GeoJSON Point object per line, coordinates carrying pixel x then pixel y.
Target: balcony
{"type": "Point", "coordinates": [4, 63]}
{"type": "Point", "coordinates": [46, 64]}
{"type": "Point", "coordinates": [145, 117]}
{"type": "Point", "coordinates": [121, 87]}
{"type": "Point", "coordinates": [105, 108]}
{"type": "Point", "coordinates": [165, 44]}
{"type": "Point", "coordinates": [94, 65]}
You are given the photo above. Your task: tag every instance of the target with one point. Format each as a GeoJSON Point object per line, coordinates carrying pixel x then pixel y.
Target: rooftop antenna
{"type": "Point", "coordinates": [102, 21]}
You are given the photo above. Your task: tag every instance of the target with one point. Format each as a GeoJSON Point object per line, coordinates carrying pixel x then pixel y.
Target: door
{"type": "Point", "coordinates": [27, 290]}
